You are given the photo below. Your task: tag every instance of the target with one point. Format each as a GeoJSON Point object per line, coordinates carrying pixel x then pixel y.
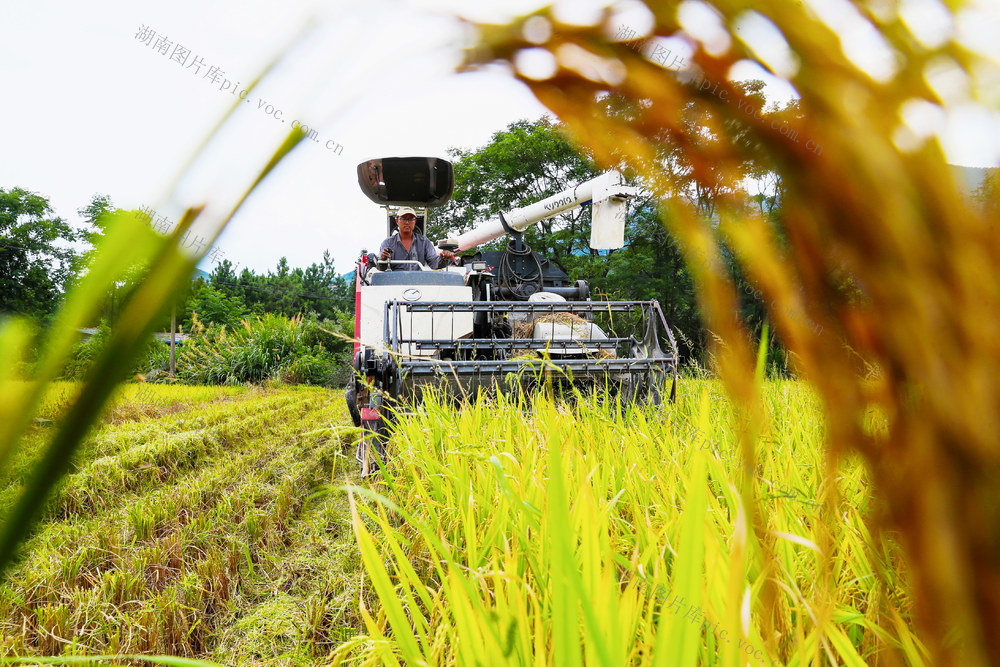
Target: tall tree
{"type": "Point", "coordinates": [212, 306]}
{"type": "Point", "coordinates": [525, 163]}
{"type": "Point", "coordinates": [34, 270]}
{"type": "Point", "coordinates": [317, 289]}
{"type": "Point", "coordinates": [531, 160]}
{"type": "Point", "coordinates": [95, 219]}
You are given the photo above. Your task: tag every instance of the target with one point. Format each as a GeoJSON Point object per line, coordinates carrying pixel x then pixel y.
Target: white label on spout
{"type": "Point", "coordinates": [607, 226]}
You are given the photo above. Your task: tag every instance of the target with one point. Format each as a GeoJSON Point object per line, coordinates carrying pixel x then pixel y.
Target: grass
{"type": "Point", "coordinates": [210, 523]}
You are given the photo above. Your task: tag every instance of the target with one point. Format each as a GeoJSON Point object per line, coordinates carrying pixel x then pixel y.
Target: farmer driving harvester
{"type": "Point", "coordinates": [505, 320]}
{"type": "Point", "coordinates": [409, 244]}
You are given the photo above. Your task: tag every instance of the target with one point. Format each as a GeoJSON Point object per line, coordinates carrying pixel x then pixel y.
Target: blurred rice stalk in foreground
{"type": "Point", "coordinates": [877, 204]}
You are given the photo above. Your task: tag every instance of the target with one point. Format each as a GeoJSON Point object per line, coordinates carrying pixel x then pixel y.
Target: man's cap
{"type": "Point", "coordinates": [406, 210]}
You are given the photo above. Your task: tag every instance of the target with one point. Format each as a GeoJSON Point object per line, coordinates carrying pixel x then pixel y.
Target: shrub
{"type": "Point", "coordinates": [292, 350]}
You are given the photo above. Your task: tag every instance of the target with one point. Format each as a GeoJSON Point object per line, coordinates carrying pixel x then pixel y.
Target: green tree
{"type": "Point", "coordinates": [532, 160]}
{"type": "Point", "coordinates": [93, 215]}
{"type": "Point", "coordinates": [34, 269]}
{"type": "Point", "coordinates": [213, 306]}
{"type": "Point", "coordinates": [225, 280]}
{"type": "Point", "coordinates": [525, 163]}
{"type": "Point", "coordinates": [324, 291]}
{"type": "Point", "coordinates": [95, 218]}
{"type": "Point", "coordinates": [317, 289]}
{"type": "Point", "coordinates": [650, 263]}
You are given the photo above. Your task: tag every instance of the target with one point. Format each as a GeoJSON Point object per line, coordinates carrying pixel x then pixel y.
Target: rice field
{"type": "Point", "coordinates": [228, 525]}
{"type": "Point", "coordinates": [189, 528]}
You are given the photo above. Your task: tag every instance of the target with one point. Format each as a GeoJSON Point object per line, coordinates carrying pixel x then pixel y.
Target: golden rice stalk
{"type": "Point", "coordinates": [862, 207]}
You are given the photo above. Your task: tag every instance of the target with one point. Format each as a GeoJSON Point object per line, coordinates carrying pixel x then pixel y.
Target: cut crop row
{"type": "Point", "coordinates": [155, 572]}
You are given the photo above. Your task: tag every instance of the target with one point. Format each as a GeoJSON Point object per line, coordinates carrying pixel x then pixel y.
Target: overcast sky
{"type": "Point", "coordinates": [91, 108]}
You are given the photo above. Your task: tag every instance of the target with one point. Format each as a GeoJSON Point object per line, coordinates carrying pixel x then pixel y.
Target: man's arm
{"type": "Point", "coordinates": [431, 257]}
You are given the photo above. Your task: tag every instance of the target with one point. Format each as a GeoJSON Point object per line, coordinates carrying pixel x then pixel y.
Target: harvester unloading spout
{"type": "Point", "coordinates": [608, 193]}
{"type": "Point", "coordinates": [471, 329]}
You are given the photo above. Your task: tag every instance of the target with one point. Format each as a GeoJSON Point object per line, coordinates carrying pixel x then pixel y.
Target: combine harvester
{"type": "Point", "coordinates": [500, 319]}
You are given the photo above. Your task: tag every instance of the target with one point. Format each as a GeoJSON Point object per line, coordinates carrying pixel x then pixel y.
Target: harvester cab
{"type": "Point", "coordinates": [495, 319]}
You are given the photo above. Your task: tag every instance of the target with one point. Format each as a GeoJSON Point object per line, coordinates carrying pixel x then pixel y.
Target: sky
{"type": "Point", "coordinates": [94, 107]}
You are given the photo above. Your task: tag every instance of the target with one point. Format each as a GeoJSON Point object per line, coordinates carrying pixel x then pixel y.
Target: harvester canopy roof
{"type": "Point", "coordinates": [421, 182]}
